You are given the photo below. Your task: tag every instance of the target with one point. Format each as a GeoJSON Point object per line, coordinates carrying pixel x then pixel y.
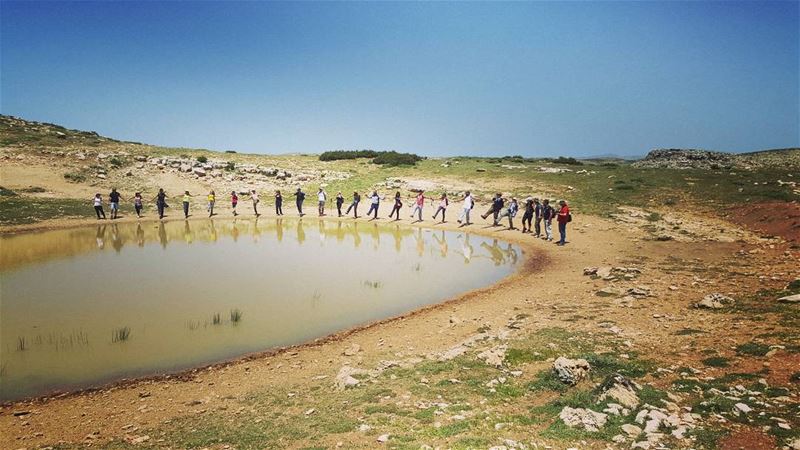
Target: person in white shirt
{"type": "Point", "coordinates": [376, 201]}
{"type": "Point", "coordinates": [469, 203]}
{"type": "Point", "coordinates": [322, 197]}
{"type": "Point", "coordinates": [443, 203]}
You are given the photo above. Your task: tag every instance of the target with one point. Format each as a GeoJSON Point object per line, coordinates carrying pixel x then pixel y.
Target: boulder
{"type": "Point", "coordinates": [714, 301]}
{"type": "Point", "coordinates": [199, 171]}
{"type": "Point", "coordinates": [345, 378]}
{"type": "Point", "coordinates": [621, 389]}
{"type": "Point", "coordinates": [494, 356]}
{"type": "Point", "coordinates": [631, 430]}
{"type": "Point", "coordinates": [790, 299]}
{"type": "Point", "coordinates": [587, 419]}
{"type": "Point", "coordinates": [185, 168]}
{"type": "Point", "coordinates": [352, 350]}
{"type": "Point", "coordinates": [571, 371]}
{"type": "Point", "coordinates": [609, 291]}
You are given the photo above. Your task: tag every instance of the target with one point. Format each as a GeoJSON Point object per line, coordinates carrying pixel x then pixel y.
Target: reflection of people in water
{"type": "Point", "coordinates": [139, 235]}
{"type": "Point", "coordinates": [162, 235]}
{"type": "Point", "coordinates": [466, 249]}
{"type": "Point", "coordinates": [512, 253]}
{"type": "Point", "coordinates": [442, 244]}
{"type": "Point", "coordinates": [212, 231]}
{"type": "Point", "coordinates": [376, 236]}
{"type": "Point", "coordinates": [301, 234]}
{"type": "Point", "coordinates": [279, 229]}
{"type": "Point", "coordinates": [398, 239]}
{"type": "Point", "coordinates": [420, 242]}
{"type": "Point", "coordinates": [356, 235]}
{"type": "Point", "coordinates": [495, 253]}
{"type": "Point", "coordinates": [339, 232]}
{"type": "Point", "coordinates": [234, 231]}
{"type": "Point", "coordinates": [187, 232]}
{"type": "Point", "coordinates": [256, 232]}
{"type": "Point", "coordinates": [116, 239]}
{"type": "Point", "coordinates": [321, 231]}
{"type": "Point", "coordinates": [101, 231]}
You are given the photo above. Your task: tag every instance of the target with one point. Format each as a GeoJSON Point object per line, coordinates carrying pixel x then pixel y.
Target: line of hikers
{"type": "Point", "coordinates": [535, 213]}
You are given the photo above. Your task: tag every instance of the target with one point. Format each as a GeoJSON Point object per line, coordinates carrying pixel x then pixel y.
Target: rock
{"type": "Point", "coordinates": [140, 158]}
{"type": "Point", "coordinates": [383, 438]}
{"type": "Point", "coordinates": [345, 379]}
{"type": "Point", "coordinates": [199, 171]}
{"type": "Point", "coordinates": [604, 272]}
{"type": "Point", "coordinates": [587, 419]}
{"type": "Point", "coordinates": [631, 430]}
{"type": "Point", "coordinates": [571, 371]}
{"type": "Point", "coordinates": [621, 389]}
{"type": "Point", "coordinates": [790, 299]}
{"type": "Point", "coordinates": [674, 158]}
{"type": "Point", "coordinates": [20, 413]}
{"type": "Point", "coordinates": [185, 168]}
{"type": "Point", "coordinates": [588, 271]}
{"type": "Point", "coordinates": [742, 407]}
{"type": "Point", "coordinates": [102, 176]}
{"type": "Point", "coordinates": [494, 356]}
{"type": "Point", "coordinates": [609, 291]}
{"type": "Point", "coordinates": [352, 350]}
{"type": "Point", "coordinates": [364, 428]}
{"type": "Point", "coordinates": [714, 301]}
{"type": "Point", "coordinates": [453, 352]}
{"type": "Point", "coordinates": [794, 445]}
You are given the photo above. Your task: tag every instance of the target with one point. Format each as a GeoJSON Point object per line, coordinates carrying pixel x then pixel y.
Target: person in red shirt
{"type": "Point", "coordinates": [563, 218]}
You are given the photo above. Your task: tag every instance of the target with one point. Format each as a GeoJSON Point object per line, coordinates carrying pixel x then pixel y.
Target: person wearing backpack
{"type": "Point", "coordinates": [497, 205]}
{"type": "Point", "coordinates": [537, 213]}
{"type": "Point", "coordinates": [300, 197]}
{"type": "Point", "coordinates": [547, 216]}
{"type": "Point", "coordinates": [469, 203]}
{"type": "Point", "coordinates": [563, 217]}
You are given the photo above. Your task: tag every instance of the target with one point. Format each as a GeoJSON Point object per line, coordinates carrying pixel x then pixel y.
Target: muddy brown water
{"type": "Point", "coordinates": [87, 306]}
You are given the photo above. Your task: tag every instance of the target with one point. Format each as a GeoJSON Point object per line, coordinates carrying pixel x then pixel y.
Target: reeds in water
{"type": "Point", "coordinates": [216, 319]}
{"type": "Point", "coordinates": [236, 316]}
{"type": "Point", "coordinates": [120, 334]}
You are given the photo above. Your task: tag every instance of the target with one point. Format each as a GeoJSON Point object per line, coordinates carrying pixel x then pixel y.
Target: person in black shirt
{"type": "Point", "coordinates": [278, 203]}
{"type": "Point", "coordinates": [497, 205]}
{"type": "Point", "coordinates": [528, 216]}
{"type": "Point", "coordinates": [113, 199]}
{"type": "Point", "coordinates": [161, 203]}
{"type": "Point", "coordinates": [354, 205]}
{"type": "Point", "coordinates": [398, 203]}
{"type": "Point", "coordinates": [300, 197]}
{"type": "Point", "coordinates": [339, 203]}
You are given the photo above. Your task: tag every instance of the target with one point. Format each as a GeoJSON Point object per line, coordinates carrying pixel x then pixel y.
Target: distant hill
{"type": "Point", "coordinates": [676, 158]}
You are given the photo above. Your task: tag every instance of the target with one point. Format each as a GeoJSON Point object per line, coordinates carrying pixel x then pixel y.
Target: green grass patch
{"type": "Point", "coordinates": [716, 361]}
{"type": "Point", "coordinates": [19, 210]}
{"type": "Point", "coordinates": [752, 349]}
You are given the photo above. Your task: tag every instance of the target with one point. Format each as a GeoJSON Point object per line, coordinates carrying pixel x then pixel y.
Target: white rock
{"type": "Point", "coordinates": [631, 430]}
{"type": "Point", "coordinates": [571, 371]}
{"type": "Point", "coordinates": [790, 299]}
{"type": "Point", "coordinates": [352, 350]}
{"type": "Point", "coordinates": [743, 407]}
{"type": "Point", "coordinates": [383, 438]}
{"type": "Point", "coordinates": [495, 356]}
{"type": "Point", "coordinates": [587, 419]}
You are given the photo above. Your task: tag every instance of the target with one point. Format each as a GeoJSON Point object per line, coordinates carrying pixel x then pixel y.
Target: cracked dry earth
{"type": "Point", "coordinates": [477, 371]}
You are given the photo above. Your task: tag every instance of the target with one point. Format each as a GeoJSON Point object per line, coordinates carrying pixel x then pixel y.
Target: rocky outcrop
{"type": "Point", "coordinates": [587, 419]}
{"type": "Point", "coordinates": [571, 371]}
{"type": "Point", "coordinates": [673, 158]}
{"type": "Point", "coordinates": [714, 301]}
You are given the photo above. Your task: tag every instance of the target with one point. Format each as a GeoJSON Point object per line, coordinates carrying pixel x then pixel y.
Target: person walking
{"type": "Point", "coordinates": [398, 203]}
{"type": "Point", "coordinates": [98, 206]}
{"type": "Point", "coordinates": [563, 218]}
{"type": "Point", "coordinates": [161, 202]}
{"type": "Point", "coordinates": [354, 205]}
{"type": "Point", "coordinates": [375, 202]}
{"type": "Point", "coordinates": [547, 216]}
{"type": "Point", "coordinates": [527, 217]}
{"type": "Point", "coordinates": [300, 196]}
{"type": "Point", "coordinates": [322, 197]}
{"type": "Point", "coordinates": [278, 203]}
{"type": "Point", "coordinates": [443, 203]}
{"type": "Point", "coordinates": [497, 205]}
{"type": "Point", "coordinates": [418, 204]}
{"type": "Point", "coordinates": [469, 203]}
{"type": "Point", "coordinates": [137, 204]}
{"type": "Point", "coordinates": [537, 213]}
{"type": "Point", "coordinates": [212, 198]}
{"type": "Point", "coordinates": [256, 200]}
{"type": "Point", "coordinates": [234, 202]}
{"type": "Point", "coordinates": [186, 198]}
{"type": "Point", "coordinates": [113, 200]}
{"type": "Point", "coordinates": [339, 203]}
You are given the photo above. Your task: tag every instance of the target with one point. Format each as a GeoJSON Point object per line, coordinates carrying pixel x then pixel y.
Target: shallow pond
{"type": "Point", "coordinates": [85, 306]}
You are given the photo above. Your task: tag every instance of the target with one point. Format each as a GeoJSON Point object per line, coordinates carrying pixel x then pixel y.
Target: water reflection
{"type": "Point", "coordinates": [243, 287]}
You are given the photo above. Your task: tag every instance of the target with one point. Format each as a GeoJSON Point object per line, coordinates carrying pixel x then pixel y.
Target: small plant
{"type": "Point", "coordinates": [116, 162]}
{"type": "Point", "coordinates": [120, 334]}
{"type": "Point", "coordinates": [75, 177]}
{"type": "Point", "coordinates": [202, 159]}
{"type": "Point", "coordinates": [236, 316]}
{"type": "Point", "coordinates": [654, 217]}
{"type": "Point", "coordinates": [34, 190]}
{"type": "Point", "coordinates": [22, 344]}
{"type": "Point", "coordinates": [230, 166]}
{"type": "Point", "coordinates": [216, 319]}
{"type": "Point", "coordinates": [372, 284]}
{"type": "Point", "coordinates": [716, 361]}
{"type": "Point", "coordinates": [752, 349]}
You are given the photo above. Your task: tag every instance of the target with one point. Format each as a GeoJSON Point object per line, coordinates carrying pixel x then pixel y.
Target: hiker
{"type": "Point", "coordinates": [339, 202]}
{"type": "Point", "coordinates": [469, 203]}
{"type": "Point", "coordinates": [563, 218]}
{"type": "Point", "coordinates": [98, 206]}
{"type": "Point", "coordinates": [443, 203]}
{"type": "Point", "coordinates": [161, 202]}
{"type": "Point", "coordinates": [354, 205]}
{"type": "Point", "coordinates": [211, 200]}
{"type": "Point", "coordinates": [497, 205]}
{"type": "Point", "coordinates": [398, 203]}
{"type": "Point", "coordinates": [137, 203]}
{"type": "Point", "coordinates": [278, 203]}
{"type": "Point", "coordinates": [234, 202]}
{"type": "Point", "coordinates": [300, 197]}
{"type": "Point", "coordinates": [509, 212]}
{"type": "Point", "coordinates": [418, 204]}
{"type": "Point", "coordinates": [375, 200]}
{"type": "Point", "coordinates": [254, 197]}
{"type": "Point", "coordinates": [547, 216]}
{"type": "Point", "coordinates": [186, 197]}
{"type": "Point", "coordinates": [322, 197]}
{"type": "Point", "coordinates": [527, 217]}
{"type": "Point", "coordinates": [113, 200]}
{"type": "Point", "coordinates": [537, 213]}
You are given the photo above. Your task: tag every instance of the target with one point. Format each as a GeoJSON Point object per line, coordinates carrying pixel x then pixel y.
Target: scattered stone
{"type": "Point", "coordinates": [494, 356]}
{"type": "Point", "coordinates": [714, 301]}
{"type": "Point", "coordinates": [609, 291]}
{"type": "Point", "coordinates": [352, 350]}
{"type": "Point", "coordinates": [345, 379]}
{"type": "Point", "coordinates": [589, 420]}
{"type": "Point", "coordinates": [790, 299]}
{"type": "Point", "coordinates": [453, 352]}
{"type": "Point", "coordinates": [571, 371]}
{"type": "Point", "coordinates": [621, 389]}
{"type": "Point", "coordinates": [383, 438]}
{"type": "Point", "coordinates": [743, 407]}
{"type": "Point", "coordinates": [631, 430]}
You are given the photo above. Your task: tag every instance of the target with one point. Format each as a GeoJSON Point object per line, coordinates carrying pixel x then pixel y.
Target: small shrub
{"type": "Point", "coordinates": [569, 161]}
{"type": "Point", "coordinates": [654, 217]}
{"type": "Point", "coordinates": [202, 159]}
{"type": "Point", "coordinates": [75, 177]}
{"type": "Point", "coordinates": [236, 315]}
{"type": "Point", "coordinates": [716, 361]}
{"type": "Point", "coordinates": [116, 162]}
{"type": "Point", "coordinates": [230, 151]}
{"type": "Point", "coordinates": [216, 319]}
{"type": "Point", "coordinates": [752, 349]}
{"type": "Point", "coordinates": [7, 192]}
{"type": "Point", "coordinates": [120, 334]}
{"type": "Point", "coordinates": [230, 166]}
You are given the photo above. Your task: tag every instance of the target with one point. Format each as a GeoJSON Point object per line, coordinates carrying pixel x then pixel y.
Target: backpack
{"type": "Point", "coordinates": [569, 217]}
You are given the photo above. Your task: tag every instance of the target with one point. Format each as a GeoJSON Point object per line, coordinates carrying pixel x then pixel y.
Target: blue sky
{"type": "Point", "coordinates": [536, 78]}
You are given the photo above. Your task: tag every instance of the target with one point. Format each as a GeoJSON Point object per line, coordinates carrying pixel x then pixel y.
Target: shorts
{"type": "Point", "coordinates": [114, 206]}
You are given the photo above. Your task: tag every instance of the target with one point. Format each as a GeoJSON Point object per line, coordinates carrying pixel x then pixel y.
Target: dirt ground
{"type": "Point", "coordinates": [550, 289]}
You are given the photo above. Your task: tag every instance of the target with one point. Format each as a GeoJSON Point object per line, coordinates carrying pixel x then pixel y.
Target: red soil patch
{"type": "Point", "coordinates": [771, 218]}
{"type": "Point", "coordinates": [748, 439]}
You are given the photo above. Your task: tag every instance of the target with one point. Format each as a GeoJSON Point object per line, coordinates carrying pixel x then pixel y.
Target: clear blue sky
{"type": "Point", "coordinates": [535, 78]}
